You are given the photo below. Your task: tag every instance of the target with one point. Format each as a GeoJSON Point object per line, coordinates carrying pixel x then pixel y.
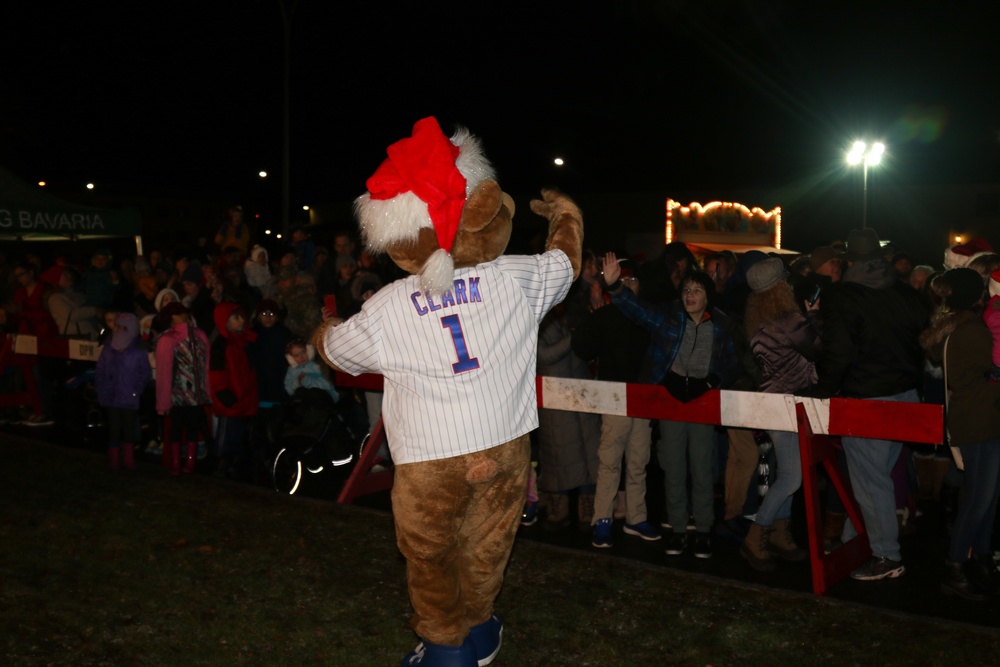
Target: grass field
{"type": "Point", "coordinates": [105, 568]}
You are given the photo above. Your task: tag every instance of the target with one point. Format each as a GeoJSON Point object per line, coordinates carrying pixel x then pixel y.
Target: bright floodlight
{"type": "Point", "coordinates": [857, 152]}
{"type": "Point", "coordinates": [875, 154]}
{"type": "Point", "coordinates": [262, 174]}
{"type": "Point", "coordinates": [559, 162]}
{"type": "Point", "coordinates": [90, 186]}
{"type": "Point", "coordinates": [861, 154]}
{"type": "Point", "coordinates": [305, 208]}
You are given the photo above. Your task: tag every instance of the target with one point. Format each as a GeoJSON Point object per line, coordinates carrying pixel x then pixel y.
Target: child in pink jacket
{"type": "Point", "coordinates": [182, 390]}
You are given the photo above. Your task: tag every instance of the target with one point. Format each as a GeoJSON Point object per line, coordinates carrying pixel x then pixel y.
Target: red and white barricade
{"type": "Point", "coordinates": [819, 423]}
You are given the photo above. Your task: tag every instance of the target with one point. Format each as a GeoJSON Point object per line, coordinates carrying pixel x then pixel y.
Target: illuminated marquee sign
{"type": "Point", "coordinates": [723, 222]}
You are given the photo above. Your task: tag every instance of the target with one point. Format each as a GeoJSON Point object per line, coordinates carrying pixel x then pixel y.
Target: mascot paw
{"type": "Point", "coordinates": [482, 470]}
{"type": "Point", "coordinates": [554, 205]}
{"type": "Point", "coordinates": [565, 225]}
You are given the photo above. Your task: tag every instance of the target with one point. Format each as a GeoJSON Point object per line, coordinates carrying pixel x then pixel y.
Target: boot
{"type": "Point", "coordinates": [558, 513]}
{"type": "Point", "coordinates": [128, 457]}
{"type": "Point", "coordinates": [783, 544]}
{"type": "Point", "coordinates": [192, 457]}
{"type": "Point", "coordinates": [754, 548]}
{"type": "Point", "coordinates": [175, 458]}
{"type": "Point", "coordinates": [114, 458]}
{"type": "Point", "coordinates": [981, 570]}
{"type": "Point", "coordinates": [833, 528]}
{"type": "Point", "coordinates": [924, 465]}
{"type": "Point", "coordinates": [955, 582]}
{"type": "Point", "coordinates": [585, 510]}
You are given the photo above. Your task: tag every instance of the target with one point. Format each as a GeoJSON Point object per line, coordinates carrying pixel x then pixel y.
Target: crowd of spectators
{"type": "Point", "coordinates": [857, 320]}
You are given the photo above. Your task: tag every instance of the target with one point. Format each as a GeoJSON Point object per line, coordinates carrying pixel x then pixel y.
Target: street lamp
{"type": "Point", "coordinates": [863, 154]}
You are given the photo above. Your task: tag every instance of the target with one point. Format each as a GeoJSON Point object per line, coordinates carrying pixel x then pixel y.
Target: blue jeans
{"type": "Point", "coordinates": [777, 503]}
{"type": "Point", "coordinates": [870, 463]}
{"type": "Point", "coordinates": [978, 504]}
{"type": "Point", "coordinates": [683, 445]}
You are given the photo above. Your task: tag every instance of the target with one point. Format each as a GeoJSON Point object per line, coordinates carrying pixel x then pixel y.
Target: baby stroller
{"type": "Point", "coordinates": [310, 435]}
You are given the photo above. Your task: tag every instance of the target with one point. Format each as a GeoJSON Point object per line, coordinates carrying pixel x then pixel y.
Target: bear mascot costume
{"type": "Point", "coordinates": [455, 342]}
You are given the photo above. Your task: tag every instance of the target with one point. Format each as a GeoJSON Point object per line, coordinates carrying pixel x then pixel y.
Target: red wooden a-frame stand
{"type": "Point", "coordinates": [362, 481]}
{"type": "Point", "coordinates": [821, 450]}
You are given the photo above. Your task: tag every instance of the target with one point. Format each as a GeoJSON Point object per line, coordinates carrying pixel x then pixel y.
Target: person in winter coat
{"type": "Point", "coordinates": [691, 351]}
{"type": "Point", "coordinates": [871, 323]}
{"type": "Point", "coordinates": [234, 385]}
{"type": "Point", "coordinates": [785, 344]}
{"type": "Point", "coordinates": [258, 273]}
{"type": "Point", "coordinates": [69, 310]}
{"type": "Point", "coordinates": [182, 357]}
{"type": "Point", "coordinates": [123, 372]}
{"type": "Point", "coordinates": [618, 345]}
{"type": "Point", "coordinates": [962, 341]}
{"type": "Point", "coordinates": [303, 371]}
{"type": "Point", "coordinates": [567, 441]}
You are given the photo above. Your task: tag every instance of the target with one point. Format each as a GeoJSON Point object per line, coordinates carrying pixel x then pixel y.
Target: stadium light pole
{"type": "Point", "coordinates": [865, 155]}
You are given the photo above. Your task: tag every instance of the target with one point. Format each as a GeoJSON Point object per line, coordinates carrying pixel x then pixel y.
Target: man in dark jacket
{"type": "Point", "coordinates": [619, 346]}
{"type": "Point", "coordinates": [871, 323]}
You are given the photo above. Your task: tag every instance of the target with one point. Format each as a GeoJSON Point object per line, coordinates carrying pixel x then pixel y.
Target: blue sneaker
{"type": "Point", "coordinates": [427, 653]}
{"type": "Point", "coordinates": [601, 536]}
{"type": "Point", "coordinates": [530, 515]}
{"type": "Point", "coordinates": [486, 639]}
{"type": "Point", "coordinates": [643, 529]}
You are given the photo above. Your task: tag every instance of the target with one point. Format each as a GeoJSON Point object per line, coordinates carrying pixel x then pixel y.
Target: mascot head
{"type": "Point", "coordinates": [434, 205]}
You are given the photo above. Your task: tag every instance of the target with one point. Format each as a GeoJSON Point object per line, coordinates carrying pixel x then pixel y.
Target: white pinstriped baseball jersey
{"type": "Point", "coordinates": [460, 368]}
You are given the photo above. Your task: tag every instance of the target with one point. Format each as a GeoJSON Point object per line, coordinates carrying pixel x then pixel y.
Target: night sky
{"type": "Point", "coordinates": [675, 97]}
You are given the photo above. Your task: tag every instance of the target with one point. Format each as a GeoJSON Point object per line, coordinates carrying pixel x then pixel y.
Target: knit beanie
{"type": "Point", "coordinates": [766, 274]}
{"type": "Point", "coordinates": [192, 274]}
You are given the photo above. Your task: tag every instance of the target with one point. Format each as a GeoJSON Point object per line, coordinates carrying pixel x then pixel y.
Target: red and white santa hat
{"type": "Point", "coordinates": [993, 284]}
{"type": "Point", "coordinates": [961, 254]}
{"type": "Point", "coordinates": [424, 182]}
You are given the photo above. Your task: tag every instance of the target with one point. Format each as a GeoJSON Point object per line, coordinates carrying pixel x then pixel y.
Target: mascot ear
{"type": "Point", "coordinates": [483, 205]}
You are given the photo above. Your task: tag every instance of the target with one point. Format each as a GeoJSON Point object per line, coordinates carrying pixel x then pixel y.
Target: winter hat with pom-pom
{"type": "Point", "coordinates": [960, 254]}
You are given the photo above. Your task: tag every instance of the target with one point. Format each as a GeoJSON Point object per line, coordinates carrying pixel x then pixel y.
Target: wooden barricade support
{"type": "Point", "coordinates": [362, 481]}
{"type": "Point", "coordinates": [818, 450]}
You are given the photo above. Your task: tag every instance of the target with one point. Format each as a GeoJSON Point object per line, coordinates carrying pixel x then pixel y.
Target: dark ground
{"type": "Point", "coordinates": [916, 593]}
